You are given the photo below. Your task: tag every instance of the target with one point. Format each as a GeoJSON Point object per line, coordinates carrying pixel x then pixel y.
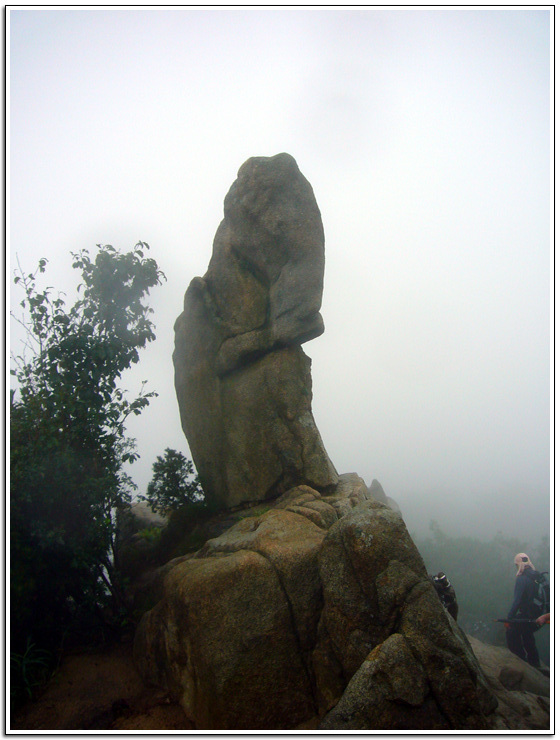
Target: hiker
{"type": "Point", "coordinates": [446, 593]}
{"type": "Point", "coordinates": [520, 636]}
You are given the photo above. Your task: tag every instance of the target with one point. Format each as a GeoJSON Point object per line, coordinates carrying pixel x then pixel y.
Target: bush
{"type": "Point", "coordinates": [29, 671]}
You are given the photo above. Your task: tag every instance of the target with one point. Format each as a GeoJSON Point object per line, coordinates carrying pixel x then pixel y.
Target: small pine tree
{"type": "Point", "coordinates": [174, 483]}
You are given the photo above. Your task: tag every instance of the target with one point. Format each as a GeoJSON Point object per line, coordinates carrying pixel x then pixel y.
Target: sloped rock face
{"type": "Point", "coordinates": [382, 619]}
{"type": "Point", "coordinates": [389, 691]}
{"type": "Point", "coordinates": [243, 382]}
{"type": "Point", "coordinates": [512, 673]}
{"type": "Point", "coordinates": [377, 492]}
{"type": "Point", "coordinates": [522, 691]}
{"type": "Point", "coordinates": [318, 612]}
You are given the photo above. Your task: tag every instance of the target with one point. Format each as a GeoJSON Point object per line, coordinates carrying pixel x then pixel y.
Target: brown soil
{"type": "Point", "coordinates": [100, 691]}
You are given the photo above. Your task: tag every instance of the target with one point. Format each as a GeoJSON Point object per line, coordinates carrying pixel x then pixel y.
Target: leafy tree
{"type": "Point", "coordinates": [174, 483]}
{"type": "Point", "coordinates": [68, 444]}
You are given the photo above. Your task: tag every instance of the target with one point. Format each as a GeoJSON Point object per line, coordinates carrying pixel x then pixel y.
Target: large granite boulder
{"type": "Point", "coordinates": [315, 613]}
{"type": "Point", "coordinates": [243, 382]}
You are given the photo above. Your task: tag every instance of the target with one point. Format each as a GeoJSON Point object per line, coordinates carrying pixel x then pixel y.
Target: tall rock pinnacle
{"type": "Point", "coordinates": [243, 382]}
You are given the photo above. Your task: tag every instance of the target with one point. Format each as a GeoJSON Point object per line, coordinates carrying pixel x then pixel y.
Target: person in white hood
{"type": "Point", "coordinates": [520, 635]}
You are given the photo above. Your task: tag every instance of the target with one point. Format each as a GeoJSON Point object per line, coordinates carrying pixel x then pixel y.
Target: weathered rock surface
{"type": "Point", "coordinates": [375, 588]}
{"type": "Point", "coordinates": [316, 613]}
{"type": "Point", "coordinates": [376, 490]}
{"type": "Point", "coordinates": [243, 382]}
{"type": "Point", "coordinates": [522, 691]}
{"type": "Point", "coordinates": [387, 692]}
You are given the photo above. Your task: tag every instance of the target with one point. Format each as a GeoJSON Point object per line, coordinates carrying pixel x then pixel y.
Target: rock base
{"type": "Point", "coordinates": [316, 613]}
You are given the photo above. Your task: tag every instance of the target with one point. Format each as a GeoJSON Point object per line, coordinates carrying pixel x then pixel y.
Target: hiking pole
{"type": "Point", "coordinates": [516, 621]}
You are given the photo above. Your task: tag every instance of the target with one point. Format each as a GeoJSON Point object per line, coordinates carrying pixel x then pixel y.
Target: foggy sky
{"type": "Point", "coordinates": [425, 134]}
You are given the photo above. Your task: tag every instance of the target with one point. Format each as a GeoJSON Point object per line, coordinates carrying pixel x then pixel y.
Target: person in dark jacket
{"type": "Point", "coordinates": [446, 593]}
{"type": "Point", "coordinates": [520, 636]}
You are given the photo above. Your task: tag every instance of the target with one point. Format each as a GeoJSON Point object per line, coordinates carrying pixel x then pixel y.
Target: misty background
{"type": "Point", "coordinates": [425, 134]}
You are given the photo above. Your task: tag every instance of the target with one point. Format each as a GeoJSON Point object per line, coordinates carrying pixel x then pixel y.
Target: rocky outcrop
{"type": "Point", "coordinates": [523, 692]}
{"type": "Point", "coordinates": [243, 382]}
{"type": "Point", "coordinates": [379, 494]}
{"type": "Point", "coordinates": [316, 613]}
{"type": "Point", "coordinates": [387, 692]}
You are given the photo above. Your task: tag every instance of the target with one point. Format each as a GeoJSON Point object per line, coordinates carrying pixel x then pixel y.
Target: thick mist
{"type": "Point", "coordinates": [425, 134]}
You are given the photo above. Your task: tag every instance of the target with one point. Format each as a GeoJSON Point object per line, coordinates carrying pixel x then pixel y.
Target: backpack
{"type": "Point", "coordinates": [541, 599]}
{"type": "Point", "coordinates": [446, 593]}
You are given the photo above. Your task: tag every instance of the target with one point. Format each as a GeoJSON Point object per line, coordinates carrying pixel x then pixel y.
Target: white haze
{"type": "Point", "coordinates": [425, 133]}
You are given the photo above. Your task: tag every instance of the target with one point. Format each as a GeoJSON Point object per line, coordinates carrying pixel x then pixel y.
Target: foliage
{"type": "Point", "coordinates": [150, 534]}
{"type": "Point", "coordinates": [28, 671]}
{"type": "Point", "coordinates": [173, 484]}
{"type": "Point", "coordinates": [68, 444]}
{"type": "Point", "coordinates": [482, 575]}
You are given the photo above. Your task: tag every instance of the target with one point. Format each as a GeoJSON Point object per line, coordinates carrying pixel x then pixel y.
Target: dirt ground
{"type": "Point", "coordinates": [100, 691]}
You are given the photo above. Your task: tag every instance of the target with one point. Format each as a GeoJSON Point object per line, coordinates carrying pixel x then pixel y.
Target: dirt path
{"type": "Point", "coordinates": [100, 691]}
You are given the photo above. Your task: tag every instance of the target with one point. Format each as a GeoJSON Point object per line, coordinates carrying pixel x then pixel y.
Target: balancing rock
{"type": "Point", "coordinates": [243, 382]}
